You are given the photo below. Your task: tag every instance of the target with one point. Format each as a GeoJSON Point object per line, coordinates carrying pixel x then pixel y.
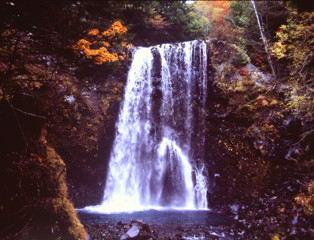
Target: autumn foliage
{"type": "Point", "coordinates": [215, 11]}
{"type": "Point", "coordinates": [106, 46]}
{"type": "Point", "coordinates": [295, 44]}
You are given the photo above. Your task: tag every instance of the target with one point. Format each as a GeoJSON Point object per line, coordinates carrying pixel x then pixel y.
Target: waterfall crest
{"type": "Point", "coordinates": [157, 156]}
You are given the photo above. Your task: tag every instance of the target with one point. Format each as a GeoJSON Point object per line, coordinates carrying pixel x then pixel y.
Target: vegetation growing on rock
{"type": "Point", "coordinates": [260, 130]}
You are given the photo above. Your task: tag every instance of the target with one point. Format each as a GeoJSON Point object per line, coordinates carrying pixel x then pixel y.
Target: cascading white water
{"type": "Point", "coordinates": [156, 160]}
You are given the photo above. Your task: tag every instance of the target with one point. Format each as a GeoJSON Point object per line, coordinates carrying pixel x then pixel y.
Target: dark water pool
{"type": "Point", "coordinates": [174, 217]}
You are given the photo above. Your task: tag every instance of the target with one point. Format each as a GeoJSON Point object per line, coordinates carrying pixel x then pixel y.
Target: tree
{"type": "Point", "coordinates": [217, 24]}
{"type": "Point", "coordinates": [182, 23]}
{"type": "Point", "coordinates": [295, 46]}
{"type": "Point", "coordinates": [271, 15]}
{"type": "Point", "coordinates": [98, 44]}
{"type": "Point", "coordinates": [214, 11]}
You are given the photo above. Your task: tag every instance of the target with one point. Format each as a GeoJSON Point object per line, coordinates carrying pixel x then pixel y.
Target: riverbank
{"type": "Point", "coordinates": [243, 229]}
{"type": "Point", "coordinates": [270, 217]}
{"type": "Point", "coordinates": [137, 229]}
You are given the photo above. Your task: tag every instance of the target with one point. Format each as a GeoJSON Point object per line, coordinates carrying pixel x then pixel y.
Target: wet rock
{"type": "Point", "coordinates": [294, 220]}
{"type": "Point", "coordinates": [132, 232]}
{"type": "Point", "coordinates": [273, 227]}
{"type": "Point", "coordinates": [265, 218]}
{"type": "Point", "coordinates": [180, 228]}
{"type": "Point", "coordinates": [234, 208]}
{"type": "Point", "coordinates": [121, 223]}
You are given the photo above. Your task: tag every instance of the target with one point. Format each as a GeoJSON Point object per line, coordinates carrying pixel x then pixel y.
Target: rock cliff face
{"type": "Point", "coordinates": [35, 202]}
{"type": "Point", "coordinates": [258, 152]}
{"type": "Point", "coordinates": [250, 134]}
{"type": "Point", "coordinates": [240, 130]}
{"type": "Point", "coordinates": [88, 143]}
{"type": "Point", "coordinates": [254, 146]}
{"type": "Point", "coordinates": [85, 141]}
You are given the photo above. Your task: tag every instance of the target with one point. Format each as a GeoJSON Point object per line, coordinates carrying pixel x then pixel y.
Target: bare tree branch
{"type": "Point", "coordinates": [28, 113]}
{"type": "Point", "coordinates": [19, 125]}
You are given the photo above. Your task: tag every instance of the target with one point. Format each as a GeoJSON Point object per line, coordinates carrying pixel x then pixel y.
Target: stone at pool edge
{"type": "Point", "coordinates": [132, 232]}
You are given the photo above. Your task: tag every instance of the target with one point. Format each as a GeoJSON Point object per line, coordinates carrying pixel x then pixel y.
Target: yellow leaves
{"type": "Point", "coordinates": [301, 103]}
{"type": "Point", "coordinates": [302, 199]}
{"type": "Point", "coordinates": [307, 201]}
{"type": "Point", "coordinates": [278, 50]}
{"type": "Point", "coordinates": [295, 44]}
{"type": "Point", "coordinates": [158, 22]}
{"type": "Point", "coordinates": [275, 237]}
{"type": "Point", "coordinates": [273, 102]}
{"type": "Point", "coordinates": [261, 101]}
{"type": "Point", "coordinates": [106, 46]}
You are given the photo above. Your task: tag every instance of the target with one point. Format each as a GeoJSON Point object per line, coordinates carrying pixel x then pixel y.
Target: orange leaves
{"type": "Point", "coordinates": [82, 44]}
{"type": "Point", "coordinates": [114, 29]}
{"type": "Point", "coordinates": [220, 10]}
{"type": "Point", "coordinates": [102, 55]}
{"type": "Point", "coordinates": [215, 11]}
{"type": "Point", "coordinates": [106, 46]}
{"type": "Point", "coordinates": [93, 32]}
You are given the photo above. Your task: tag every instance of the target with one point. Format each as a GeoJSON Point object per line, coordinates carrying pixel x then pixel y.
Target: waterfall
{"type": "Point", "coordinates": [157, 156]}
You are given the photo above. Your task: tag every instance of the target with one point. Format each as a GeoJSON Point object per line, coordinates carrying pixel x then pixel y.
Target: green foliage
{"type": "Point", "coordinates": [242, 57]}
{"type": "Point", "coordinates": [241, 13]}
{"type": "Point", "coordinates": [183, 23]}
{"type": "Point", "coordinates": [198, 27]}
{"type": "Point", "coordinates": [272, 14]}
